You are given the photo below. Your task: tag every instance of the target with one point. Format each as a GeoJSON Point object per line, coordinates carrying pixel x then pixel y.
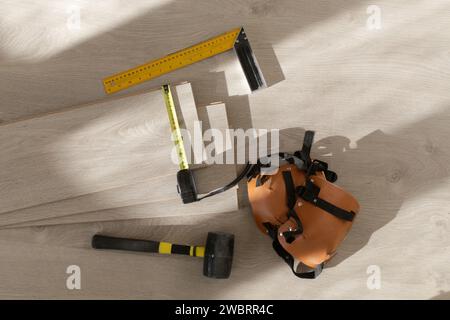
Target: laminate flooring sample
{"type": "Point", "coordinates": [84, 150]}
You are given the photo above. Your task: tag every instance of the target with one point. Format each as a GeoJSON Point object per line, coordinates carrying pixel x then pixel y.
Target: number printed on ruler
{"type": "Point", "coordinates": [171, 62]}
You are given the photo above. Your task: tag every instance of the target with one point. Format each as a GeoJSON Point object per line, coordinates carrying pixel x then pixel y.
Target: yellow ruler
{"type": "Point", "coordinates": [175, 127]}
{"type": "Point", "coordinates": [171, 62]}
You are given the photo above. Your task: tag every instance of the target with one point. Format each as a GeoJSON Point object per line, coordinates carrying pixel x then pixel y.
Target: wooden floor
{"type": "Point", "coordinates": [379, 101]}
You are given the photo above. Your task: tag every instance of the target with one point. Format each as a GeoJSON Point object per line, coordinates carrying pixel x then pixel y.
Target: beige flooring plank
{"type": "Point", "coordinates": [84, 150]}
{"type": "Point", "coordinates": [225, 202]}
{"type": "Point", "coordinates": [160, 191]}
{"type": "Point", "coordinates": [140, 200]}
{"type": "Point", "coordinates": [37, 259]}
{"type": "Point", "coordinates": [100, 155]}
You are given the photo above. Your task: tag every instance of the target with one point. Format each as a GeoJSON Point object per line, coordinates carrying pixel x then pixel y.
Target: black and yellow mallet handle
{"type": "Point", "coordinates": [217, 254]}
{"type": "Point", "coordinates": [105, 242]}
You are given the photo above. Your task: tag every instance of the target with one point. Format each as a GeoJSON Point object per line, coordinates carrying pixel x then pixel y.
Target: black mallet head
{"type": "Point", "coordinates": [218, 255]}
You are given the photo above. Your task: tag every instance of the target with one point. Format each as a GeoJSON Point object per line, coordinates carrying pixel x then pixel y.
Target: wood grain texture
{"type": "Point", "coordinates": [121, 159]}
{"type": "Point", "coordinates": [110, 203]}
{"type": "Point", "coordinates": [84, 150]}
{"type": "Point", "coordinates": [257, 271]}
{"type": "Point", "coordinates": [226, 202]}
{"type": "Point", "coordinates": [154, 198]}
{"type": "Point", "coordinates": [378, 99]}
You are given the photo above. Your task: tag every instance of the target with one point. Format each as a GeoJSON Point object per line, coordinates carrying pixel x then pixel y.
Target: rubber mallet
{"type": "Point", "coordinates": [217, 253]}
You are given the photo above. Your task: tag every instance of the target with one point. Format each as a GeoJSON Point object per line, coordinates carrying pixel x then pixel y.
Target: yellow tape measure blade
{"type": "Point", "coordinates": [175, 127]}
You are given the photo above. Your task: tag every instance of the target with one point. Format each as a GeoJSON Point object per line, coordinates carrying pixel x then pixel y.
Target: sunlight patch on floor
{"type": "Point", "coordinates": [39, 30]}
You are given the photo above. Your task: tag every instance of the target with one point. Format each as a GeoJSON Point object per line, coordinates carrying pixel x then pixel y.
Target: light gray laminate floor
{"type": "Point", "coordinates": [378, 99]}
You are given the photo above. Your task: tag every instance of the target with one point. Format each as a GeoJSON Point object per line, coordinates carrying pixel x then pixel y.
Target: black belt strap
{"type": "Point", "coordinates": [314, 273]}
{"type": "Point", "coordinates": [302, 159]}
{"type": "Point", "coordinates": [247, 169]}
{"type": "Point", "coordinates": [291, 201]}
{"type": "Point", "coordinates": [305, 153]}
{"type": "Point", "coordinates": [321, 166]}
{"type": "Point", "coordinates": [310, 192]}
{"type": "Point", "coordinates": [290, 189]}
{"type": "Point", "coordinates": [312, 166]}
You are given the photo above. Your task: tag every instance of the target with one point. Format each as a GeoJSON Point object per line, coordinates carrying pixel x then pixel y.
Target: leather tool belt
{"type": "Point", "coordinates": [301, 209]}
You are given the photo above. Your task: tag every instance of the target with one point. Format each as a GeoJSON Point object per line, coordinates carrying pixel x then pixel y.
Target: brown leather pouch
{"type": "Point", "coordinates": [306, 215]}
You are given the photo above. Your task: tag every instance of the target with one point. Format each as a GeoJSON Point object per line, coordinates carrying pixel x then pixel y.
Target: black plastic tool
{"type": "Point", "coordinates": [188, 190]}
{"type": "Point", "coordinates": [186, 186]}
{"type": "Point", "coordinates": [217, 253]}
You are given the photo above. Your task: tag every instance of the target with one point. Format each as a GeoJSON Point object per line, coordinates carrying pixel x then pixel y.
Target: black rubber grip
{"type": "Point", "coordinates": [105, 242]}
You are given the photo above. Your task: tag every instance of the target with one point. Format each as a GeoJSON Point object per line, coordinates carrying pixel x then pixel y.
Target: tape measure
{"type": "Point", "coordinates": [171, 62]}
{"type": "Point", "coordinates": [185, 178]}
{"type": "Point", "coordinates": [175, 127]}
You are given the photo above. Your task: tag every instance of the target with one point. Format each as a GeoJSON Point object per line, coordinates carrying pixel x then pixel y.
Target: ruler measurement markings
{"type": "Point", "coordinates": [175, 127]}
{"type": "Point", "coordinates": [171, 62]}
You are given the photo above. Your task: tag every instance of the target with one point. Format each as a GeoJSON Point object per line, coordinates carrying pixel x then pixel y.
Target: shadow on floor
{"type": "Point", "coordinates": [442, 296]}
{"type": "Point", "coordinates": [381, 170]}
{"type": "Point", "coordinates": [102, 55]}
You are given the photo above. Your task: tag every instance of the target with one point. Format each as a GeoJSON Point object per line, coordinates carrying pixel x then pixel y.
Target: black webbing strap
{"type": "Point", "coordinates": [291, 201]}
{"type": "Point", "coordinates": [290, 189]}
{"type": "Point", "coordinates": [305, 153]}
{"type": "Point", "coordinates": [310, 192]}
{"type": "Point", "coordinates": [312, 166]}
{"type": "Point", "coordinates": [293, 159]}
{"type": "Point", "coordinates": [321, 166]}
{"type": "Point", "coordinates": [314, 273]}
{"type": "Point", "coordinates": [264, 165]}
{"type": "Point", "coordinates": [247, 169]}
{"type": "Point", "coordinates": [272, 231]}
